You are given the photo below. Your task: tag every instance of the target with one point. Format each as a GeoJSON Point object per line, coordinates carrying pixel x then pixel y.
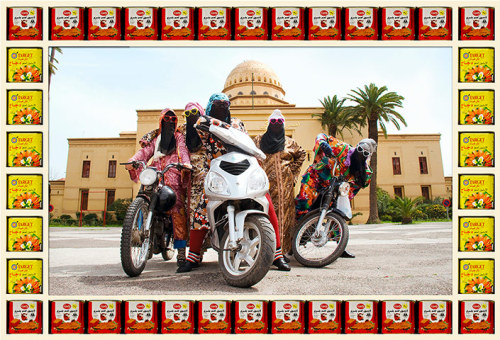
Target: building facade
{"type": "Point", "coordinates": [408, 165]}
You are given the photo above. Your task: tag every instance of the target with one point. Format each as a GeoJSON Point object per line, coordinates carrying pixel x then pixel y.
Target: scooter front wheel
{"type": "Point", "coordinates": [317, 250]}
{"type": "Point", "coordinates": [248, 265]}
{"type": "Point", "coordinates": [132, 239]}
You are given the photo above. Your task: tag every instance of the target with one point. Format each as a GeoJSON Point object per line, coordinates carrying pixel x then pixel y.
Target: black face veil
{"type": "Point", "coordinates": [274, 139]}
{"type": "Point", "coordinates": [357, 168]}
{"type": "Point", "coordinates": [167, 131]}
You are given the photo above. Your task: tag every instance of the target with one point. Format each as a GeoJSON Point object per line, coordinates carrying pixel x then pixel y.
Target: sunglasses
{"type": "Point", "coordinates": [222, 103]}
{"type": "Point", "coordinates": [168, 119]}
{"type": "Point", "coordinates": [363, 151]}
{"type": "Point", "coordinates": [276, 120]}
{"type": "Point", "coordinates": [193, 112]}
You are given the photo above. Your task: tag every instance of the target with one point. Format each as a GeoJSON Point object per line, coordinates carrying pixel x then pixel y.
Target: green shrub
{"type": "Point", "coordinates": [120, 207]}
{"type": "Point", "coordinates": [405, 208]}
{"type": "Point", "coordinates": [55, 221]}
{"type": "Point", "coordinates": [419, 214]}
{"type": "Point", "coordinates": [64, 217]}
{"type": "Point", "coordinates": [434, 211]}
{"type": "Point", "coordinates": [384, 202]}
{"type": "Point", "coordinates": [386, 217]}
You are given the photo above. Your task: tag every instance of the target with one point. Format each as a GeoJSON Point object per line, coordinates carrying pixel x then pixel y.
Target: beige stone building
{"type": "Point", "coordinates": [408, 165]}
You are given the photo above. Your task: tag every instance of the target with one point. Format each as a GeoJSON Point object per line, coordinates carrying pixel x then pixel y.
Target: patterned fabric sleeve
{"type": "Point", "coordinates": [356, 187]}
{"type": "Point", "coordinates": [299, 156]}
{"type": "Point", "coordinates": [182, 149]}
{"type": "Point", "coordinates": [143, 154]}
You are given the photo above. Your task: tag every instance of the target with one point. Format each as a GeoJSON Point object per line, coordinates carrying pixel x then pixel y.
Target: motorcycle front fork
{"type": "Point", "coordinates": [147, 229]}
{"type": "Point", "coordinates": [233, 245]}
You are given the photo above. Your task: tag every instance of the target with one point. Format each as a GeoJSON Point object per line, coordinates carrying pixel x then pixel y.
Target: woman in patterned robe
{"type": "Point", "coordinates": [197, 155]}
{"type": "Point", "coordinates": [352, 162]}
{"type": "Point", "coordinates": [284, 158]}
{"type": "Point", "coordinates": [165, 146]}
{"type": "Point", "coordinates": [218, 108]}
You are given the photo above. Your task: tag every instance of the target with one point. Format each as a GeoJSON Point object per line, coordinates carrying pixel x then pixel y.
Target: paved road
{"type": "Point", "coordinates": [390, 260]}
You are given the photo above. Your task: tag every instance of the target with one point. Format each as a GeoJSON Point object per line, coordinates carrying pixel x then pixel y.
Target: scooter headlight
{"type": "Point", "coordinates": [217, 184]}
{"type": "Point", "coordinates": [257, 181]}
{"type": "Point", "coordinates": [344, 189]}
{"type": "Point", "coordinates": [148, 177]}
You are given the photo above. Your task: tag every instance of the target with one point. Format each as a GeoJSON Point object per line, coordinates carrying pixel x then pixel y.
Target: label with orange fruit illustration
{"type": "Point", "coordinates": [476, 276]}
{"type": "Point", "coordinates": [24, 65]}
{"type": "Point", "coordinates": [24, 234]}
{"type": "Point", "coordinates": [24, 192]}
{"type": "Point", "coordinates": [477, 149]}
{"type": "Point", "coordinates": [24, 276]}
{"type": "Point", "coordinates": [477, 233]}
{"type": "Point", "coordinates": [476, 65]}
{"type": "Point", "coordinates": [477, 191]}
{"type": "Point", "coordinates": [24, 149]}
{"type": "Point", "coordinates": [24, 107]}
{"type": "Point", "coordinates": [477, 107]}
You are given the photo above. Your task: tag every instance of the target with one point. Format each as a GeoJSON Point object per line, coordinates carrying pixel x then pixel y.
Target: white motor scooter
{"type": "Point", "coordinates": [237, 209]}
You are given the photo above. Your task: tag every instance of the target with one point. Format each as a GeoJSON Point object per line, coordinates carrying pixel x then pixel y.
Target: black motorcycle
{"type": "Point", "coordinates": [321, 235]}
{"type": "Point", "coordinates": [147, 229]}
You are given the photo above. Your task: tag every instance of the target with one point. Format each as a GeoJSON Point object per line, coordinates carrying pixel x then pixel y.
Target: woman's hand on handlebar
{"type": "Point", "coordinates": [129, 167]}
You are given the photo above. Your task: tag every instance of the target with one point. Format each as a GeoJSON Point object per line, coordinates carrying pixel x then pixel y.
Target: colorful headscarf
{"type": "Point", "coordinates": [273, 140]}
{"type": "Point", "coordinates": [193, 140]}
{"type": "Point", "coordinates": [219, 97]}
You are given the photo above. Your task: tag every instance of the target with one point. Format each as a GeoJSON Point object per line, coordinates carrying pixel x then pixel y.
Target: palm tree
{"type": "Point", "coordinates": [406, 207]}
{"type": "Point", "coordinates": [338, 117]}
{"type": "Point", "coordinates": [53, 61]}
{"type": "Point", "coordinates": [378, 107]}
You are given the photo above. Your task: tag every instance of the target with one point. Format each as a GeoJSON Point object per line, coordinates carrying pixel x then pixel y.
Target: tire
{"type": "Point", "coordinates": [304, 228]}
{"type": "Point", "coordinates": [169, 253]}
{"type": "Point", "coordinates": [129, 237]}
{"type": "Point", "coordinates": [255, 225]}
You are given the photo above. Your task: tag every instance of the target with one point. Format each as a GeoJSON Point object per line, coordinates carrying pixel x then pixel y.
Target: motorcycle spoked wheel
{"type": "Point", "coordinates": [169, 252]}
{"type": "Point", "coordinates": [132, 238]}
{"type": "Point", "coordinates": [310, 251]}
{"type": "Point", "coordinates": [250, 264]}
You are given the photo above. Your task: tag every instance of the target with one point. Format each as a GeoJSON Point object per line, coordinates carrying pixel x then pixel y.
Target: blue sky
{"type": "Point", "coordinates": [97, 91]}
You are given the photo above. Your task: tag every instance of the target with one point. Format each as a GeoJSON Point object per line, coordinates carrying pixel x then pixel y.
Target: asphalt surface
{"type": "Point", "coordinates": [390, 259]}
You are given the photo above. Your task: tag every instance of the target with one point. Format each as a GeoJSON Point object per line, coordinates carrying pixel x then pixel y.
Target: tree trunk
{"type": "Point", "coordinates": [51, 62]}
{"type": "Point", "coordinates": [373, 134]}
{"type": "Point", "coordinates": [332, 130]}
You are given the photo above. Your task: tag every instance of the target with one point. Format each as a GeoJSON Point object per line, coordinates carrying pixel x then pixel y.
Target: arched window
{"type": "Point", "coordinates": [265, 79]}
{"type": "Point", "coordinates": [241, 79]}
{"type": "Point", "coordinates": [258, 78]}
{"type": "Point", "coordinates": [253, 92]}
{"type": "Point", "coordinates": [276, 95]}
{"type": "Point", "coordinates": [266, 93]}
{"type": "Point", "coordinates": [246, 78]}
{"type": "Point", "coordinates": [229, 96]}
{"type": "Point", "coordinates": [240, 93]}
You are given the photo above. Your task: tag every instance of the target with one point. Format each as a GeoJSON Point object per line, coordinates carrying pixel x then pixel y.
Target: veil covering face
{"type": "Point", "coordinates": [167, 143]}
{"type": "Point", "coordinates": [218, 107]}
{"type": "Point", "coordinates": [273, 140]}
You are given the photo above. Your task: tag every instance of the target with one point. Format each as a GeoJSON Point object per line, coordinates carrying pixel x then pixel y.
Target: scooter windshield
{"type": "Point", "coordinates": [237, 138]}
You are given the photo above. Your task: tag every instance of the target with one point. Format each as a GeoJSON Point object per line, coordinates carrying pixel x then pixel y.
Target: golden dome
{"type": "Point", "coordinates": [242, 73]}
{"type": "Point", "coordinates": [264, 89]}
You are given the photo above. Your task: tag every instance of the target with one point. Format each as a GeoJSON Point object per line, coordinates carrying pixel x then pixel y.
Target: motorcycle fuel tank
{"type": "Point", "coordinates": [166, 199]}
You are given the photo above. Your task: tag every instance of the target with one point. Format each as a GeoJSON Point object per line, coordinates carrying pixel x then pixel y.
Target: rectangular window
{"type": "Point", "coordinates": [399, 191]}
{"type": "Point", "coordinates": [110, 198]}
{"type": "Point", "coordinates": [396, 166]}
{"type": "Point", "coordinates": [84, 199]}
{"type": "Point", "coordinates": [426, 192]}
{"type": "Point", "coordinates": [86, 169]}
{"type": "Point", "coordinates": [112, 169]}
{"type": "Point", "coordinates": [422, 161]}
